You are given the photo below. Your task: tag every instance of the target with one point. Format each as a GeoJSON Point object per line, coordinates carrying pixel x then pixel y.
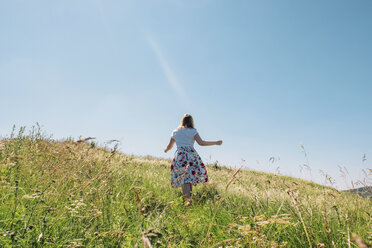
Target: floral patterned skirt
{"type": "Point", "coordinates": [187, 167]}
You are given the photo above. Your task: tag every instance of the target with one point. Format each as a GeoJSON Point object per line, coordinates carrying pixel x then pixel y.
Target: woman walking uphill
{"type": "Point", "coordinates": [187, 168]}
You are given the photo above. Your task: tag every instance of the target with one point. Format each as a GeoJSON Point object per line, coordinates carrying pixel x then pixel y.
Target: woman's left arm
{"type": "Point", "coordinates": [170, 145]}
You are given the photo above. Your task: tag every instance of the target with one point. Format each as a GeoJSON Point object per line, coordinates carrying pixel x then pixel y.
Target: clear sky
{"type": "Point", "coordinates": [263, 76]}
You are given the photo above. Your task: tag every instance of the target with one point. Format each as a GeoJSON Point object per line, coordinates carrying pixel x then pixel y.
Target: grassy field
{"type": "Point", "coordinates": [75, 194]}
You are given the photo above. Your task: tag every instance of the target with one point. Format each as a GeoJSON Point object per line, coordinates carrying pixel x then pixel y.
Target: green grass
{"type": "Point", "coordinates": [69, 194]}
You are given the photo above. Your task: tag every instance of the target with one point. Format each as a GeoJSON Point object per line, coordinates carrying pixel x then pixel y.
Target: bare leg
{"type": "Point", "coordinates": [186, 189]}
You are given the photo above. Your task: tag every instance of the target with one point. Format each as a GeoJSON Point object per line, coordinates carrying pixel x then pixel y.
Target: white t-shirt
{"type": "Point", "coordinates": [184, 136]}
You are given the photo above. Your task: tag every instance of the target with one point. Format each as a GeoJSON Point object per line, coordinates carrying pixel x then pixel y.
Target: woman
{"type": "Point", "coordinates": [187, 168]}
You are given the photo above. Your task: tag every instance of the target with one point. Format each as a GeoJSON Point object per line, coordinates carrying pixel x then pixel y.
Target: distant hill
{"type": "Point", "coordinates": [365, 191]}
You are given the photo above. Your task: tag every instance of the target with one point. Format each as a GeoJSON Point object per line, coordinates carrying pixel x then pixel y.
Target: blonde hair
{"type": "Point", "coordinates": [187, 121]}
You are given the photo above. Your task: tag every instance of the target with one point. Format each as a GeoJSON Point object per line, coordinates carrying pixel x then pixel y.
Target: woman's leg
{"type": "Point", "coordinates": [186, 190]}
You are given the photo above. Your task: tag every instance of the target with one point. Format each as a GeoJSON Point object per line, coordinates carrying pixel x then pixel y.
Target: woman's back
{"type": "Point", "coordinates": [187, 168]}
{"type": "Point", "coordinates": [184, 136]}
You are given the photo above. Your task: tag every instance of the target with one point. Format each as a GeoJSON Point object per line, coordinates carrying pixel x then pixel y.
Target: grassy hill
{"type": "Point", "coordinates": [75, 194]}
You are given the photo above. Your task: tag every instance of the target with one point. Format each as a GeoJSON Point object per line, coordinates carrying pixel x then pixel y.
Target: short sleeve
{"type": "Point", "coordinates": [195, 132]}
{"type": "Point", "coordinates": [172, 134]}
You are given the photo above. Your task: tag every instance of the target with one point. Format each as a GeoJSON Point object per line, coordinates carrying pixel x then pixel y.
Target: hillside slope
{"type": "Point", "coordinates": [70, 194]}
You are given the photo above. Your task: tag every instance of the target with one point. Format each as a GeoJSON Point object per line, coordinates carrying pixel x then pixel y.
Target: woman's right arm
{"type": "Point", "coordinates": [206, 143]}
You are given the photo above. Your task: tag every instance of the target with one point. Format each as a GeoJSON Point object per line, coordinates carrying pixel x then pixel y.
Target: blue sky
{"type": "Point", "coordinates": [263, 76]}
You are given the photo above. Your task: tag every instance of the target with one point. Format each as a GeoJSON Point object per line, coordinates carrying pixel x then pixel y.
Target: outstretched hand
{"type": "Point", "coordinates": [219, 142]}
